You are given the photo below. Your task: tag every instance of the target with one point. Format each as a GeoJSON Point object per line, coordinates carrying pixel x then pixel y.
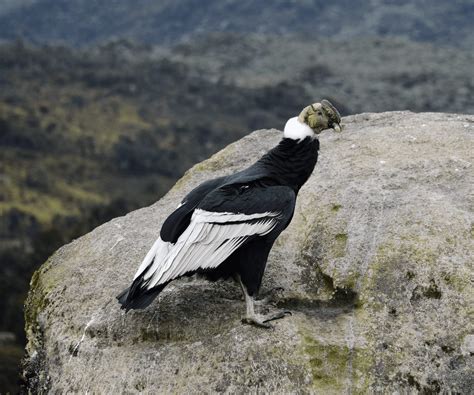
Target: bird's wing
{"type": "Point", "coordinates": [225, 219]}
{"type": "Point", "coordinates": [177, 222]}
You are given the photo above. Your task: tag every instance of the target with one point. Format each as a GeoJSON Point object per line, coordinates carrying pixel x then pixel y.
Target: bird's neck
{"type": "Point", "coordinates": [297, 130]}
{"type": "Point", "coordinates": [291, 162]}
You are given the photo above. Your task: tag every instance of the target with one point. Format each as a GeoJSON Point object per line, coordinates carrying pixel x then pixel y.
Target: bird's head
{"type": "Point", "coordinates": [321, 116]}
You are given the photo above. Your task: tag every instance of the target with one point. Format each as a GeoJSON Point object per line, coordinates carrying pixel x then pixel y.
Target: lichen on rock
{"type": "Point", "coordinates": [376, 267]}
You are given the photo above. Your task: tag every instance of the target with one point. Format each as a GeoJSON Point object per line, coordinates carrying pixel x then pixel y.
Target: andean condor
{"type": "Point", "coordinates": [226, 227]}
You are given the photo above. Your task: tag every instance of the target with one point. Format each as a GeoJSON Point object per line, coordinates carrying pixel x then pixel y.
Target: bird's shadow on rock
{"type": "Point", "coordinates": [342, 301]}
{"type": "Point", "coordinates": [195, 311]}
{"type": "Point", "coordinates": [188, 312]}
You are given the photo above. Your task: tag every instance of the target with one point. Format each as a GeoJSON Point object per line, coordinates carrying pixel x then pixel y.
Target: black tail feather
{"type": "Point", "coordinates": [135, 297]}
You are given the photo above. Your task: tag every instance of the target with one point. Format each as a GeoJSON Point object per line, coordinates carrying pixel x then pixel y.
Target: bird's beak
{"type": "Point", "coordinates": [333, 115]}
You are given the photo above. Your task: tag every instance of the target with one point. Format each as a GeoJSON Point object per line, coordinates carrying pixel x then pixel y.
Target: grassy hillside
{"type": "Point", "coordinates": [96, 122]}
{"type": "Point", "coordinates": [80, 22]}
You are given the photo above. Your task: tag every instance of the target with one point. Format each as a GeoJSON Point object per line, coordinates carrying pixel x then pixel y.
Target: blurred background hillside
{"type": "Point", "coordinates": [104, 105]}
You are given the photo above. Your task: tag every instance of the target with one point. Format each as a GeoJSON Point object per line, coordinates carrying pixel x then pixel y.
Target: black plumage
{"type": "Point", "coordinates": [226, 227]}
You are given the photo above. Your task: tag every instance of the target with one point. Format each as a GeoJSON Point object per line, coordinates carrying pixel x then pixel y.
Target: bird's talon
{"type": "Point", "coordinates": [277, 316]}
{"type": "Point", "coordinates": [256, 322]}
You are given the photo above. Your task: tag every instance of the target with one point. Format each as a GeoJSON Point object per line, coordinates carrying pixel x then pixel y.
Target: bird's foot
{"type": "Point", "coordinates": [262, 321]}
{"type": "Point", "coordinates": [256, 321]}
{"type": "Point", "coordinates": [277, 315]}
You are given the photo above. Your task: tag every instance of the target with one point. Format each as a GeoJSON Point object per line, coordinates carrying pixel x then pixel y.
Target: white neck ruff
{"type": "Point", "coordinates": [296, 130]}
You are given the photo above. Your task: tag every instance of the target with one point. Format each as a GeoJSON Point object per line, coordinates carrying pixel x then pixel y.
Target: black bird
{"type": "Point", "coordinates": [226, 227]}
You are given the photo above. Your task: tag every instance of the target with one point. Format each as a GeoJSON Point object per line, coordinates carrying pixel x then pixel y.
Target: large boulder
{"type": "Point", "coordinates": [376, 267]}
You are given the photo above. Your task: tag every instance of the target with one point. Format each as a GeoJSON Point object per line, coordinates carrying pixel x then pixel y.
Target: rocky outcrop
{"type": "Point", "coordinates": [376, 267]}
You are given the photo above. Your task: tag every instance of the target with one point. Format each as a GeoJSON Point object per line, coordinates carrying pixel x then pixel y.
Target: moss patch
{"type": "Point", "coordinates": [36, 300]}
{"type": "Point", "coordinates": [387, 272]}
{"type": "Point", "coordinates": [336, 368]}
{"type": "Point", "coordinates": [43, 282]}
{"type": "Point", "coordinates": [328, 363]}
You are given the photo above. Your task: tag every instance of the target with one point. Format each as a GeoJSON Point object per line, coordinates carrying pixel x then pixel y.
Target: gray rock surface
{"type": "Point", "coordinates": [376, 267]}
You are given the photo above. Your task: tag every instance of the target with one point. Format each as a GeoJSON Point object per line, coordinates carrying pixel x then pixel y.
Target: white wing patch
{"type": "Point", "coordinates": [208, 241]}
{"type": "Point", "coordinates": [209, 216]}
{"type": "Point", "coordinates": [159, 248]}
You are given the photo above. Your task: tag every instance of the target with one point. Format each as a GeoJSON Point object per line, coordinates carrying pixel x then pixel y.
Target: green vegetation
{"type": "Point", "coordinates": [329, 364]}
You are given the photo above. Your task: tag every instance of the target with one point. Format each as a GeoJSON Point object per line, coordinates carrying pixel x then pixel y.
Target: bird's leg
{"type": "Point", "coordinates": [250, 316]}
{"type": "Point", "coordinates": [255, 319]}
